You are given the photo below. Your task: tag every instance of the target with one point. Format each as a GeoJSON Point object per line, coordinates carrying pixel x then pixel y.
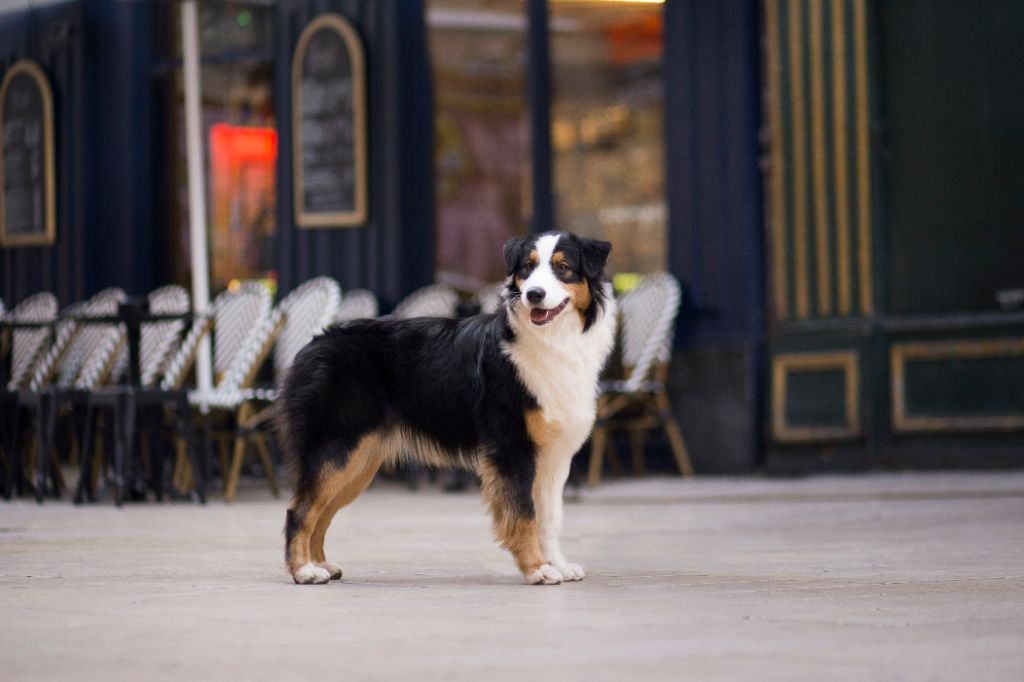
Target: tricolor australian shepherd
{"type": "Point", "coordinates": [511, 395]}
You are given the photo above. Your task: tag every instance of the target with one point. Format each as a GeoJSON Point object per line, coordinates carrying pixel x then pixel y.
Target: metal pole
{"type": "Point", "coordinates": [196, 190]}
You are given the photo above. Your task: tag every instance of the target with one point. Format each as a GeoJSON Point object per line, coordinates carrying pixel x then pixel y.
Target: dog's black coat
{"type": "Point", "coordinates": [446, 380]}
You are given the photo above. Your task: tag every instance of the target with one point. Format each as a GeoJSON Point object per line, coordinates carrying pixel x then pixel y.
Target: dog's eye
{"type": "Point", "coordinates": [563, 268]}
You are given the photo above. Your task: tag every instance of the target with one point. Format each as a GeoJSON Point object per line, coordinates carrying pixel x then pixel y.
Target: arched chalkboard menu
{"type": "Point", "coordinates": [329, 125]}
{"type": "Point", "coordinates": [27, 202]}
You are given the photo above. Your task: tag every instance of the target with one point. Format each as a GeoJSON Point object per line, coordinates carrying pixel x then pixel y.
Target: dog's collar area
{"type": "Point", "coordinates": [540, 316]}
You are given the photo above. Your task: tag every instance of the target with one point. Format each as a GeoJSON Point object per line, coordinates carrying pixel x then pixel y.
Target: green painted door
{"type": "Point", "coordinates": [952, 155]}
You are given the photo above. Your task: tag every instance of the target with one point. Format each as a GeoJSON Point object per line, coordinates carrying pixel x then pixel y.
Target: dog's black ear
{"type": "Point", "coordinates": [514, 252]}
{"type": "Point", "coordinates": [595, 256]}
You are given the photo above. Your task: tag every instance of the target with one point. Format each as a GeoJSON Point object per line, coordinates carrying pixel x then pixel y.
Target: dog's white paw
{"type": "Point", "coordinates": [545, 575]}
{"type": "Point", "coordinates": [571, 572]}
{"type": "Point", "coordinates": [311, 574]}
{"type": "Point", "coordinates": [333, 569]}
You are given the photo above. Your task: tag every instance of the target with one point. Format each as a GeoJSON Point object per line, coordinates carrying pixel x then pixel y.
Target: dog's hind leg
{"type": "Point", "coordinates": [508, 492]}
{"type": "Point", "coordinates": [355, 484]}
{"type": "Point", "coordinates": [310, 514]}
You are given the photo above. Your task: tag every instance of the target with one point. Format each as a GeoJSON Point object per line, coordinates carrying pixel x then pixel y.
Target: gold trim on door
{"type": "Point", "coordinates": [785, 364]}
{"type": "Point", "coordinates": [799, 113]}
{"type": "Point", "coordinates": [860, 49]}
{"type": "Point", "coordinates": [777, 170]}
{"type": "Point", "coordinates": [974, 349]}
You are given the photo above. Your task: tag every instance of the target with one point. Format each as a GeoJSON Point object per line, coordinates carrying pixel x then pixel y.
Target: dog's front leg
{"type": "Point", "coordinates": [548, 489]}
{"type": "Point", "coordinates": [507, 485]}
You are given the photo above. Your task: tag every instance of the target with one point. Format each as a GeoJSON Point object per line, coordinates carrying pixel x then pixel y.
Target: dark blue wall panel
{"type": "Point", "coordinates": [712, 116]}
{"type": "Point", "coordinates": [120, 182]}
{"type": "Point", "coordinates": [51, 36]}
{"type": "Point", "coordinates": [98, 56]}
{"type": "Point", "coordinates": [393, 254]}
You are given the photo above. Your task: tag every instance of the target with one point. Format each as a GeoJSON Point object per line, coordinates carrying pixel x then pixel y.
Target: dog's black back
{"type": "Point", "coordinates": [432, 375]}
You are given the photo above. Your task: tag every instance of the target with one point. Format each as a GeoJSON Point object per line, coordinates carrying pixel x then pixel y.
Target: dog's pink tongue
{"type": "Point", "coordinates": [539, 315]}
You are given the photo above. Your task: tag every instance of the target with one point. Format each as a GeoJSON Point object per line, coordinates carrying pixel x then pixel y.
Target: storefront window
{"type": "Point", "coordinates": [607, 128]}
{"type": "Point", "coordinates": [478, 56]}
{"type": "Point", "coordinates": [240, 142]}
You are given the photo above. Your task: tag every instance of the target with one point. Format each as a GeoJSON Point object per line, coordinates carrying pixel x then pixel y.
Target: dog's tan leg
{"type": "Point", "coordinates": [359, 476]}
{"type": "Point", "coordinates": [308, 520]}
{"type": "Point", "coordinates": [515, 525]}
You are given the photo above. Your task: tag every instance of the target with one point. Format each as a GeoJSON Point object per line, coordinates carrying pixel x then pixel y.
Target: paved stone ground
{"type": "Point", "coordinates": [879, 577]}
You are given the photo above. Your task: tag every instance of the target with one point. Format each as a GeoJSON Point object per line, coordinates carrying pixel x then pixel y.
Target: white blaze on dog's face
{"type": "Point", "coordinates": [543, 292]}
{"type": "Point", "coordinates": [554, 273]}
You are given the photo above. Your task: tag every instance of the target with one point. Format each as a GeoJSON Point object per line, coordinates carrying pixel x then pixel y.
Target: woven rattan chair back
{"type": "Point", "coordinates": [239, 312]}
{"type": "Point", "coordinates": [82, 353]}
{"type": "Point", "coordinates": [489, 297]}
{"type": "Point", "coordinates": [249, 358]}
{"type": "Point", "coordinates": [29, 346]}
{"type": "Point", "coordinates": [160, 338]}
{"type": "Point", "coordinates": [307, 311]}
{"type": "Point", "coordinates": [235, 316]}
{"type": "Point", "coordinates": [648, 325]}
{"type": "Point", "coordinates": [435, 300]}
{"type": "Point", "coordinates": [357, 304]}
{"type": "Point", "coordinates": [157, 340]}
{"type": "Point", "coordinates": [97, 343]}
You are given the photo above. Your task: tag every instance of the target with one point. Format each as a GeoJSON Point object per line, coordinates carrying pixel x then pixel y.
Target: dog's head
{"type": "Point", "coordinates": [554, 274]}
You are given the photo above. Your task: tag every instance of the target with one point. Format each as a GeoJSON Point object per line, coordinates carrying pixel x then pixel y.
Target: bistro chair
{"type": "Point", "coordinates": [78, 359]}
{"type": "Point", "coordinates": [300, 316]}
{"type": "Point", "coordinates": [357, 304]}
{"type": "Point", "coordinates": [156, 343]}
{"type": "Point", "coordinates": [233, 317]}
{"type": "Point", "coordinates": [639, 402]}
{"type": "Point", "coordinates": [26, 345]}
{"type": "Point", "coordinates": [434, 300]}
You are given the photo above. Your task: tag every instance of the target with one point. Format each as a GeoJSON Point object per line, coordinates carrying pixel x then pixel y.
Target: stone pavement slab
{"type": "Point", "coordinates": [895, 577]}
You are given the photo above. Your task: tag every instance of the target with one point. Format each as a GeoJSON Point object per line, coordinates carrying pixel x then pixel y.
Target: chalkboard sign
{"type": "Point", "coordinates": [26, 161]}
{"type": "Point", "coordinates": [329, 125]}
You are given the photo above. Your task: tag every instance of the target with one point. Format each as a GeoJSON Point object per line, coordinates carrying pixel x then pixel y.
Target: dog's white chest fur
{"type": "Point", "coordinates": [560, 364]}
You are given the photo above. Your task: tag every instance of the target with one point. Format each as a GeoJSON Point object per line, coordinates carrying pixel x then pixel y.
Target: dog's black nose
{"type": "Point", "coordinates": [535, 295]}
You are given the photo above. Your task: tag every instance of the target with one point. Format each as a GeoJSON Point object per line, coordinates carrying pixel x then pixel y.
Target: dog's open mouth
{"type": "Point", "coordinates": [541, 316]}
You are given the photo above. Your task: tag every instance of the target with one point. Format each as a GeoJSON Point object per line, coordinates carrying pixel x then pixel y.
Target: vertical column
{"type": "Point", "coordinates": [196, 190]}
{"type": "Point", "coordinates": [539, 99]}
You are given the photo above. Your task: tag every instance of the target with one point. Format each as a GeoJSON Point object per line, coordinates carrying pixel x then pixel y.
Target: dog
{"type": "Point", "coordinates": [512, 395]}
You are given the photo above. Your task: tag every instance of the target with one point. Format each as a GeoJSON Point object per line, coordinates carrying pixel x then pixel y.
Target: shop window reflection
{"type": "Point", "coordinates": [608, 128]}
{"type": "Point", "coordinates": [482, 175]}
{"type": "Point", "coordinates": [240, 138]}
